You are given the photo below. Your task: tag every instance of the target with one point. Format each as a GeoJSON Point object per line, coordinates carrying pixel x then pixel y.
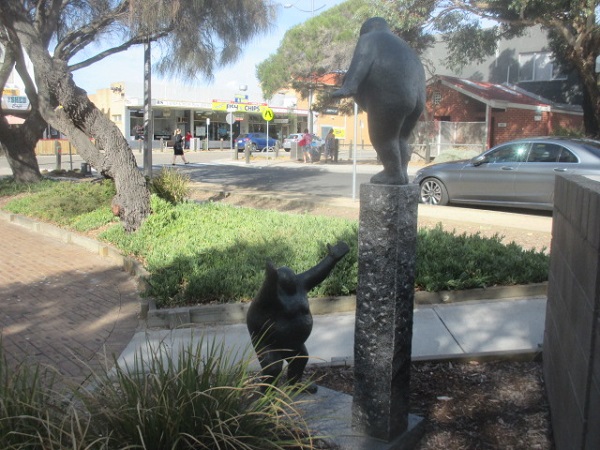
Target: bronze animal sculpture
{"type": "Point", "coordinates": [387, 80]}
{"type": "Point", "coordinates": [279, 318]}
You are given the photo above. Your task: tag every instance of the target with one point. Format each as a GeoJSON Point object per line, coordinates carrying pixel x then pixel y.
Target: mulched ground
{"type": "Point", "coordinates": [470, 405]}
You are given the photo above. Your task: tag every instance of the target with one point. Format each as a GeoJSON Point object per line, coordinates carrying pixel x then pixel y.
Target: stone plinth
{"type": "Point", "coordinates": [384, 309]}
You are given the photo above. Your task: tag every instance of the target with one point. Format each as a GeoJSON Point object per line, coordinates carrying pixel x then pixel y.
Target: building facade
{"type": "Point", "coordinates": [213, 122]}
{"type": "Point", "coordinates": [508, 112]}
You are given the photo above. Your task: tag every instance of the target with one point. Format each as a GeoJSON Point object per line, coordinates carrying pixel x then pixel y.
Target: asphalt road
{"type": "Point", "coordinates": [213, 167]}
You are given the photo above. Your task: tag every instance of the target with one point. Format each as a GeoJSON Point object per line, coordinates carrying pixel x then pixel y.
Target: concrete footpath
{"type": "Point", "coordinates": [472, 329]}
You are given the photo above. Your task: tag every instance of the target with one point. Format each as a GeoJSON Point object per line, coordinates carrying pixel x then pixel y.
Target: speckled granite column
{"type": "Point", "coordinates": [384, 309]}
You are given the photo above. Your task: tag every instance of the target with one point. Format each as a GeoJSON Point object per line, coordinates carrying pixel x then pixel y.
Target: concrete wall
{"type": "Point", "coordinates": [572, 337]}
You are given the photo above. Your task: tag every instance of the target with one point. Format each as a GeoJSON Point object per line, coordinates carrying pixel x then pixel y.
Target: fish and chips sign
{"type": "Point", "coordinates": [229, 106]}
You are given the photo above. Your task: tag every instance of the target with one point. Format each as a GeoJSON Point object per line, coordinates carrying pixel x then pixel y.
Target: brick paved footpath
{"type": "Point", "coordinates": [62, 305]}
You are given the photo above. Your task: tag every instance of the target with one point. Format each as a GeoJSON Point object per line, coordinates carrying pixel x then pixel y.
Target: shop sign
{"type": "Point", "coordinates": [339, 132]}
{"type": "Point", "coordinates": [218, 105]}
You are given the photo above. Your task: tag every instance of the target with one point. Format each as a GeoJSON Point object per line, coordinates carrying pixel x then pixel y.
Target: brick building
{"type": "Point", "coordinates": [508, 111]}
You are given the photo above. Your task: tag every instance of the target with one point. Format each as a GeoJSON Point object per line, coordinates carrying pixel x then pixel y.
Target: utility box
{"type": "Point", "coordinates": [295, 151]}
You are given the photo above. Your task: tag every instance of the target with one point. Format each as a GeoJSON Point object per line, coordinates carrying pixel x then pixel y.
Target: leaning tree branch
{"type": "Point", "coordinates": [81, 37]}
{"type": "Point", "coordinates": [121, 48]}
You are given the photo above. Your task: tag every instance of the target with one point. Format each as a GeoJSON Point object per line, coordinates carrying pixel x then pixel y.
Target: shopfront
{"type": "Point", "coordinates": [208, 122]}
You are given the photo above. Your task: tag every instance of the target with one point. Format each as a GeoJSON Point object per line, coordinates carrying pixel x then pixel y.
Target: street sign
{"type": "Point", "coordinates": [267, 114]}
{"type": "Point", "coordinates": [229, 118]}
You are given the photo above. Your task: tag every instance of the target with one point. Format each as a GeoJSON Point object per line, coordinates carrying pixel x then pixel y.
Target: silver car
{"type": "Point", "coordinates": [518, 173]}
{"type": "Point", "coordinates": [295, 137]}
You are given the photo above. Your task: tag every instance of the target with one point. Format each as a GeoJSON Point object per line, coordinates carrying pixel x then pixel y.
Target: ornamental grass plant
{"type": "Point", "coordinates": [201, 397]}
{"type": "Point", "coordinates": [196, 396]}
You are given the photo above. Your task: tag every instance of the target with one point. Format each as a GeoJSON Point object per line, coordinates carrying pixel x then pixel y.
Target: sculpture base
{"type": "Point", "coordinates": [387, 240]}
{"type": "Point", "coordinates": [329, 414]}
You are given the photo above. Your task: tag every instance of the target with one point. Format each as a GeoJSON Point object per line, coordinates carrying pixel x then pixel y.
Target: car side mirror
{"type": "Point", "coordinates": [479, 160]}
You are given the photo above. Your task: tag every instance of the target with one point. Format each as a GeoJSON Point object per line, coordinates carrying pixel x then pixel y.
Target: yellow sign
{"type": "Point", "coordinates": [218, 105]}
{"type": "Point", "coordinates": [339, 133]}
{"type": "Point", "coordinates": [267, 114]}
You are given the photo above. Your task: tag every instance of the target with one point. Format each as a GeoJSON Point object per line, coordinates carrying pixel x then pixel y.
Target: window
{"type": "Point", "coordinates": [538, 66]}
{"type": "Point", "coordinates": [508, 153]}
{"type": "Point", "coordinates": [567, 157]}
{"type": "Point", "coordinates": [541, 152]}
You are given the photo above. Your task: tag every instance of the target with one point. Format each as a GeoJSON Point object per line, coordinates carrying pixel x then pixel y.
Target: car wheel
{"type": "Point", "coordinates": [254, 148]}
{"type": "Point", "coordinates": [433, 192]}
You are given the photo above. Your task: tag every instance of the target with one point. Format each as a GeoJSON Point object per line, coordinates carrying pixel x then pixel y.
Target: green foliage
{"type": "Point", "coordinates": [201, 397]}
{"type": "Point", "coordinates": [171, 185]}
{"type": "Point", "coordinates": [447, 261]}
{"type": "Point", "coordinates": [213, 252]}
{"type": "Point", "coordinates": [217, 253]}
{"type": "Point", "coordinates": [568, 132]}
{"type": "Point", "coordinates": [9, 187]}
{"type": "Point", "coordinates": [33, 413]}
{"type": "Point", "coordinates": [322, 44]}
{"type": "Point", "coordinates": [68, 204]}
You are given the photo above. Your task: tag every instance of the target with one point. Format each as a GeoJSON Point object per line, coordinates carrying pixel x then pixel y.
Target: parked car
{"type": "Point", "coordinates": [258, 140]}
{"type": "Point", "coordinates": [295, 137]}
{"type": "Point", "coordinates": [518, 173]}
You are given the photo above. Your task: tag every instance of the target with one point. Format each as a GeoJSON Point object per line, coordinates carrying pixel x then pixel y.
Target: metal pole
{"type": "Point", "coordinates": [148, 123]}
{"type": "Point", "coordinates": [354, 152]}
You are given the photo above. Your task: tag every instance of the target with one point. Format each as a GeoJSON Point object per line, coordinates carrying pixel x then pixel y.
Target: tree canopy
{"type": "Point", "coordinates": [572, 28]}
{"type": "Point", "coordinates": [471, 29]}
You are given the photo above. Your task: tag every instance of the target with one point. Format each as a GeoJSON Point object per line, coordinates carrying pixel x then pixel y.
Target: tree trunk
{"type": "Point", "coordinates": [67, 108]}
{"type": "Point", "coordinates": [19, 147]}
{"type": "Point", "coordinates": [110, 154]}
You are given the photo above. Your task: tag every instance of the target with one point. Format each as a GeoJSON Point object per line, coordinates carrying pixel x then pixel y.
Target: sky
{"type": "Point", "coordinates": [129, 66]}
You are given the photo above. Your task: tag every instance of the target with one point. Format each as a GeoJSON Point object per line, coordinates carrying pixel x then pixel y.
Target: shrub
{"type": "Point", "coordinates": [201, 397]}
{"type": "Point", "coordinates": [214, 252]}
{"type": "Point", "coordinates": [447, 261]}
{"type": "Point", "coordinates": [171, 185]}
{"type": "Point", "coordinates": [33, 414]}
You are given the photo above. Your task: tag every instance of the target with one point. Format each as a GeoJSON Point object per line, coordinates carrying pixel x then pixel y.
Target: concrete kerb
{"type": "Point", "coordinates": [233, 313]}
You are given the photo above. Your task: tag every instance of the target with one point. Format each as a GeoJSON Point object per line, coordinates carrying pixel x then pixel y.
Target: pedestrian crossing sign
{"type": "Point", "coordinates": [267, 114]}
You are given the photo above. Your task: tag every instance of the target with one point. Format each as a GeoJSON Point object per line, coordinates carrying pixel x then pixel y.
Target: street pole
{"type": "Point", "coordinates": [148, 123]}
{"type": "Point", "coordinates": [355, 151]}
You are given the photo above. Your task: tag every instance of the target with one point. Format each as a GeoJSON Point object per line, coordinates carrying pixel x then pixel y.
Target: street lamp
{"type": "Point", "coordinates": [310, 89]}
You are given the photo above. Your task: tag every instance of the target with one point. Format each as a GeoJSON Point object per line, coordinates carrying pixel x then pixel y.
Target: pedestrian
{"type": "Point", "coordinates": [178, 142]}
{"type": "Point", "coordinates": [188, 138]}
{"type": "Point", "coordinates": [336, 150]}
{"type": "Point", "coordinates": [305, 144]}
{"type": "Point", "coordinates": [329, 145]}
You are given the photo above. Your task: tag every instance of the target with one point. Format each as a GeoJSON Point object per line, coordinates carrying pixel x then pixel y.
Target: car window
{"type": "Point", "coordinates": [566, 156]}
{"type": "Point", "coordinates": [508, 153]}
{"type": "Point", "coordinates": [544, 152]}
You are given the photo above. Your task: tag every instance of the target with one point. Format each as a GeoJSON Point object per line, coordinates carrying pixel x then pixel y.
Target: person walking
{"type": "Point", "coordinates": [188, 138]}
{"type": "Point", "coordinates": [178, 146]}
{"type": "Point", "coordinates": [305, 144]}
{"type": "Point", "coordinates": [329, 145]}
